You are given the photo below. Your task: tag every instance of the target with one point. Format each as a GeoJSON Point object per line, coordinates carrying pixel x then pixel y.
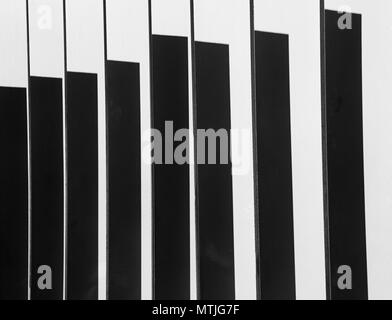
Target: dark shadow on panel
{"type": "Point", "coordinates": [274, 168]}
{"type": "Point", "coordinates": [214, 181]}
{"type": "Point", "coordinates": [82, 186]}
{"type": "Point", "coordinates": [124, 180]}
{"type": "Point", "coordinates": [47, 187]}
{"type": "Point", "coordinates": [345, 158]}
{"type": "Point", "coordinates": [171, 179]}
{"type": "Point", "coordinates": [13, 195]}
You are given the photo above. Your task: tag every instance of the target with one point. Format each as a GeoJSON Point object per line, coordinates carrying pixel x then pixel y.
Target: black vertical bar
{"type": "Point", "coordinates": [82, 186]}
{"type": "Point", "coordinates": [325, 148]}
{"type": "Point", "coordinates": [152, 126]}
{"type": "Point", "coordinates": [171, 180]}
{"type": "Point", "coordinates": [28, 143]}
{"type": "Point", "coordinates": [13, 195]}
{"type": "Point", "coordinates": [345, 155]}
{"type": "Point", "coordinates": [194, 113]}
{"type": "Point", "coordinates": [65, 291]}
{"type": "Point", "coordinates": [124, 180]}
{"type": "Point", "coordinates": [277, 270]}
{"type": "Point", "coordinates": [255, 141]}
{"type": "Point", "coordinates": [214, 181]}
{"type": "Point", "coordinates": [47, 190]}
{"type": "Point", "coordinates": [105, 52]}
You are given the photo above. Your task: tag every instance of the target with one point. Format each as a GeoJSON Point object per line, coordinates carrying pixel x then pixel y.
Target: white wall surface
{"type": "Point", "coordinates": [13, 43]}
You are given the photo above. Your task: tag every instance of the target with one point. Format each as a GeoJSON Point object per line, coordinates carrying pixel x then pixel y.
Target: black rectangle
{"type": "Point", "coordinates": [170, 178]}
{"type": "Point", "coordinates": [124, 180]}
{"type": "Point", "coordinates": [13, 194]}
{"type": "Point", "coordinates": [214, 181]}
{"type": "Point", "coordinates": [82, 186]}
{"type": "Point", "coordinates": [274, 168]}
{"type": "Point", "coordinates": [345, 155]}
{"type": "Point", "coordinates": [47, 187]}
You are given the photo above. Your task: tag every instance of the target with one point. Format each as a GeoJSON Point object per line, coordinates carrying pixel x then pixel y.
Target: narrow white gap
{"type": "Point", "coordinates": [65, 164]}
{"type": "Point", "coordinates": [192, 188]}
{"type": "Point", "coordinates": [29, 158]}
{"type": "Point", "coordinates": [102, 171]}
{"type": "Point", "coordinates": [146, 182]}
{"type": "Point", "coordinates": [142, 55]}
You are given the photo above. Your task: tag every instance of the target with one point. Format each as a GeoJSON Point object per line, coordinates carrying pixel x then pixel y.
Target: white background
{"type": "Point", "coordinates": [13, 44]}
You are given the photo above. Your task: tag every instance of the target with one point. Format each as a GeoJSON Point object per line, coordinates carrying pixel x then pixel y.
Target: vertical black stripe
{"type": "Point", "coordinates": [214, 181]}
{"type": "Point", "coordinates": [255, 141]}
{"type": "Point", "coordinates": [82, 186]}
{"type": "Point", "coordinates": [345, 154]}
{"type": "Point", "coordinates": [65, 292]}
{"type": "Point", "coordinates": [29, 140]}
{"type": "Point", "coordinates": [277, 272]}
{"type": "Point", "coordinates": [194, 113]}
{"type": "Point", "coordinates": [325, 148]}
{"type": "Point", "coordinates": [124, 180]}
{"type": "Point", "coordinates": [152, 126]}
{"type": "Point", "coordinates": [105, 53]}
{"type": "Point", "coordinates": [47, 197]}
{"type": "Point", "coordinates": [171, 180]}
{"type": "Point", "coordinates": [13, 195]}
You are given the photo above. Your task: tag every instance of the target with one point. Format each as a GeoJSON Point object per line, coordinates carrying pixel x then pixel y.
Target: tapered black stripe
{"type": "Point", "coordinates": [13, 195]}
{"type": "Point", "coordinates": [124, 180]}
{"type": "Point", "coordinates": [214, 182]}
{"type": "Point", "coordinates": [47, 190]}
{"type": "Point", "coordinates": [325, 148]}
{"type": "Point", "coordinates": [82, 186]}
{"type": "Point", "coordinates": [345, 155]}
{"type": "Point", "coordinates": [171, 179]}
{"type": "Point", "coordinates": [274, 169]}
